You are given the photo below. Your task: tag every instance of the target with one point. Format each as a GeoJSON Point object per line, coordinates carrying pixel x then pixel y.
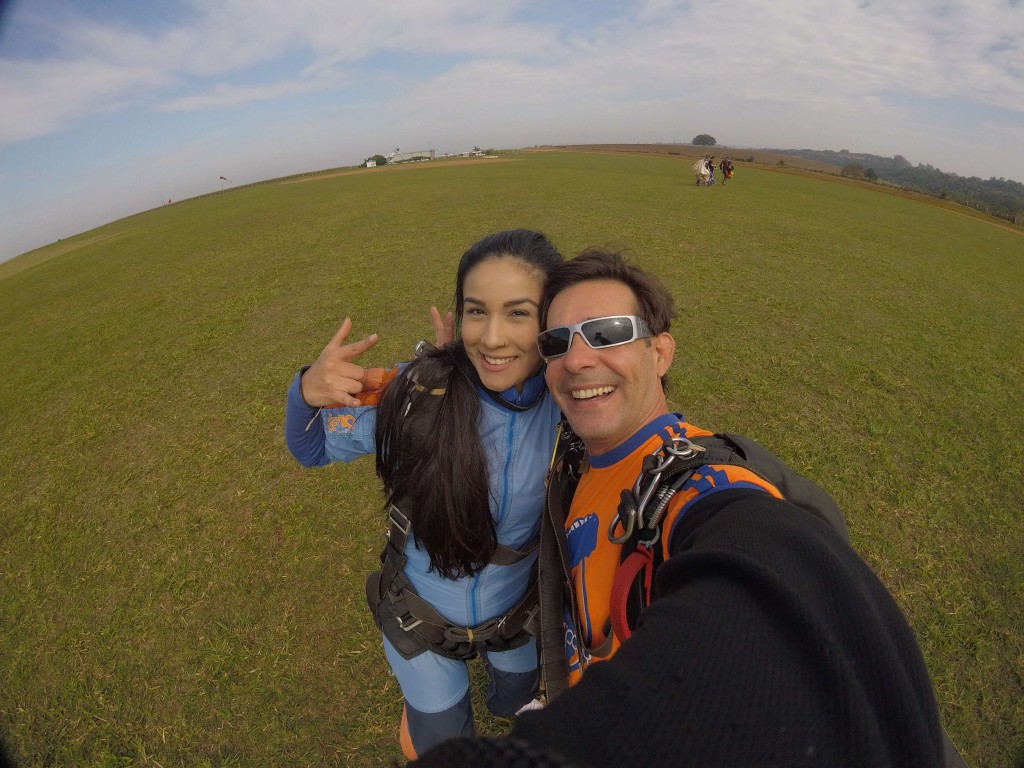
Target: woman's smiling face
{"type": "Point", "coordinates": [500, 321]}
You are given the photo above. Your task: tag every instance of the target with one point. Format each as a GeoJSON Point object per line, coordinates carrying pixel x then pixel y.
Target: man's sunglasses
{"type": "Point", "coordinates": [599, 333]}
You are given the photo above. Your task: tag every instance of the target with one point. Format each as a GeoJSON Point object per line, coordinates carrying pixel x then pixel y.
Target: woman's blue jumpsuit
{"type": "Point", "coordinates": [518, 446]}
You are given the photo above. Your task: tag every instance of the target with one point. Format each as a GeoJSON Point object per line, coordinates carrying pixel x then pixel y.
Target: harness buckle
{"type": "Point", "coordinates": [687, 451]}
{"type": "Point", "coordinates": [396, 516]}
{"type": "Point", "coordinates": [411, 626]}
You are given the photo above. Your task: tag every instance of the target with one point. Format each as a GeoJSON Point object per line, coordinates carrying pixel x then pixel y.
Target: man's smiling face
{"type": "Point", "coordinates": [606, 394]}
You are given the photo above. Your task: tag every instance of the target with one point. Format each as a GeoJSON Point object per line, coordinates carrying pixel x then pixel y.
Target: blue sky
{"type": "Point", "coordinates": [110, 107]}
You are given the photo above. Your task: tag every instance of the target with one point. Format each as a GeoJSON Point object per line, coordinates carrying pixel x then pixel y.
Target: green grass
{"type": "Point", "coordinates": [176, 591]}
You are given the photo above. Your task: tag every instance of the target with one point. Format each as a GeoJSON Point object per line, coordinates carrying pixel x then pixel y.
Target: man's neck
{"type": "Point", "coordinates": [638, 438]}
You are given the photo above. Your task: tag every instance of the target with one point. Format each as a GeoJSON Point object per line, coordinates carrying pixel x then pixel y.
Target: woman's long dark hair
{"type": "Point", "coordinates": [429, 455]}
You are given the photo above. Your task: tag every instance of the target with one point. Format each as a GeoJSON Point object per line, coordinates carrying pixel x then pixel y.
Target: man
{"type": "Point", "coordinates": [768, 641]}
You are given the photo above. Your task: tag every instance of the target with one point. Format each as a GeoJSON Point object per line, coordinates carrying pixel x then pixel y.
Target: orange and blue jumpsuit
{"type": "Point", "coordinates": [594, 558]}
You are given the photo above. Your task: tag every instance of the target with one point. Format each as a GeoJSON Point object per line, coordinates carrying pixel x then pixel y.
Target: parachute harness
{"type": "Point", "coordinates": [639, 514]}
{"type": "Point", "coordinates": [674, 457]}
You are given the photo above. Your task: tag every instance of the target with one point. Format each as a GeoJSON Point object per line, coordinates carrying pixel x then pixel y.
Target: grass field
{"type": "Point", "coordinates": [176, 591]}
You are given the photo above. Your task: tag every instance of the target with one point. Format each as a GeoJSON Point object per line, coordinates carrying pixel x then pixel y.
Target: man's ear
{"type": "Point", "coordinates": [664, 351]}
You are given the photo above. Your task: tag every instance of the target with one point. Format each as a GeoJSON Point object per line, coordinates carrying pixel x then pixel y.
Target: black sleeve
{"type": "Point", "coordinates": [772, 643]}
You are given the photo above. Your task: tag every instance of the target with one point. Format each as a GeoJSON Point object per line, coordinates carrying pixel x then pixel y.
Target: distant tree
{"type": "Point", "coordinates": [854, 170]}
{"type": "Point", "coordinates": [704, 140]}
{"type": "Point", "coordinates": [378, 159]}
{"type": "Point", "coordinates": [870, 174]}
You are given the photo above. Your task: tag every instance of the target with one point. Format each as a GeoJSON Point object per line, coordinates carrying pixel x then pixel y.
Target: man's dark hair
{"type": "Point", "coordinates": [654, 303]}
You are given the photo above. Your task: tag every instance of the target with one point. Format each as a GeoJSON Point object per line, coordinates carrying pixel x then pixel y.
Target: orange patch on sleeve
{"type": "Point", "coordinates": [375, 381]}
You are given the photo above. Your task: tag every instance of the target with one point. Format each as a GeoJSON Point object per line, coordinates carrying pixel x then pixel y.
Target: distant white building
{"type": "Point", "coordinates": [371, 163]}
{"type": "Point", "coordinates": [408, 157]}
{"type": "Point", "coordinates": [468, 153]}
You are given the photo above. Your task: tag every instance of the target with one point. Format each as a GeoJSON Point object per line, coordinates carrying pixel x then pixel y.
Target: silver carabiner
{"type": "Point", "coordinates": [678, 448]}
{"type": "Point", "coordinates": [689, 449]}
{"type": "Point", "coordinates": [627, 528]}
{"type": "Point", "coordinates": [652, 477]}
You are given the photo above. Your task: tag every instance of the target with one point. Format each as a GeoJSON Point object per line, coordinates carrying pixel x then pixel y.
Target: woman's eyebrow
{"type": "Point", "coordinates": [527, 300]}
{"type": "Point", "coordinates": [509, 303]}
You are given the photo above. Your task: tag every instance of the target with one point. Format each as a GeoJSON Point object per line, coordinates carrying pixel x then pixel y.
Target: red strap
{"type": "Point", "coordinates": [641, 560]}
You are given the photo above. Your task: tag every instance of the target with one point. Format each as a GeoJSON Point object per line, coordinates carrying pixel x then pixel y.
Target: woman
{"type": "Point", "coordinates": [462, 436]}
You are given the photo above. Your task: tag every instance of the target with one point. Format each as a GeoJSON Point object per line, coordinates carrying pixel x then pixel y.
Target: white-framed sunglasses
{"type": "Point", "coordinates": [599, 333]}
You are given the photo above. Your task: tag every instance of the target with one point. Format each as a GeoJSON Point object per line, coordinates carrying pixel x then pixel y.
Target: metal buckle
{"type": "Point", "coordinates": [423, 347]}
{"type": "Point", "coordinates": [409, 627]}
{"type": "Point", "coordinates": [627, 527]}
{"type": "Point", "coordinates": [394, 514]}
{"type": "Point", "coordinates": [689, 450]}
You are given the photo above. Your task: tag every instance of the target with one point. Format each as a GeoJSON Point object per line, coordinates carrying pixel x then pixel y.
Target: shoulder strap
{"type": "Point", "coordinates": [729, 448]}
{"type": "Point", "coordinates": [641, 514]}
{"type": "Point", "coordinates": [641, 510]}
{"type": "Point", "coordinates": [553, 573]}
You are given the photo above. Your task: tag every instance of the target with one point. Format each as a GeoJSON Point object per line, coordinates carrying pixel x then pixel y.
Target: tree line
{"type": "Point", "coordinates": [1003, 198]}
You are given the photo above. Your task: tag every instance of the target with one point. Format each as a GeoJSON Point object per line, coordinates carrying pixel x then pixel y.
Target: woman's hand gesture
{"type": "Point", "coordinates": [335, 377]}
{"type": "Point", "coordinates": [444, 328]}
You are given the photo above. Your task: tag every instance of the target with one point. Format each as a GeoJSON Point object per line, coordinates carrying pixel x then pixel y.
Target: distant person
{"type": "Point", "coordinates": [762, 639]}
{"type": "Point", "coordinates": [462, 436]}
{"type": "Point", "coordinates": [711, 172]}
{"type": "Point", "coordinates": [727, 168]}
{"type": "Point", "coordinates": [700, 170]}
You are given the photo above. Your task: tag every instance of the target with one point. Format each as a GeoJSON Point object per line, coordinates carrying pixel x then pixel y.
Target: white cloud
{"type": "Point", "coordinates": [789, 51]}
{"type": "Point", "coordinates": [224, 95]}
{"type": "Point", "coordinates": [40, 97]}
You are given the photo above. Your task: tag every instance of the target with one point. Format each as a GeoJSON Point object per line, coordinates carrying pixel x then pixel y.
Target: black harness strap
{"type": "Point", "coordinates": [413, 625]}
{"type": "Point", "coordinates": [508, 556]}
{"type": "Point", "coordinates": [553, 570]}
